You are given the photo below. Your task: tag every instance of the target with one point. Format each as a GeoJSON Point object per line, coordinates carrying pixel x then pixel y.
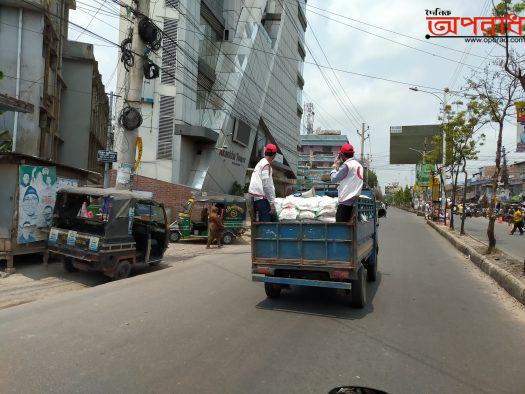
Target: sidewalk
{"type": "Point", "coordinates": [32, 281]}
{"type": "Point", "coordinates": [507, 271]}
{"type": "Point", "coordinates": [513, 245]}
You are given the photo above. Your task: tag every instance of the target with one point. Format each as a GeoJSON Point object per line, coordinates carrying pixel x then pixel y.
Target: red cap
{"type": "Point", "coordinates": [270, 148]}
{"type": "Point", "coordinates": [346, 148]}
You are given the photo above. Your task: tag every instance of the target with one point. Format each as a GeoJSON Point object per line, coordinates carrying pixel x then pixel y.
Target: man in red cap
{"type": "Point", "coordinates": [261, 187]}
{"type": "Point", "coordinates": [348, 172]}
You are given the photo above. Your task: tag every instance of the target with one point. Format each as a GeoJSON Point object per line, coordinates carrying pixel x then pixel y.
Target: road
{"type": "Point", "coordinates": [513, 245]}
{"type": "Point", "coordinates": [435, 324]}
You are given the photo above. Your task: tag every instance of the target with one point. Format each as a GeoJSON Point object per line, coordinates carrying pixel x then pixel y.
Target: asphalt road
{"type": "Point", "coordinates": [513, 245]}
{"type": "Point", "coordinates": [435, 324]}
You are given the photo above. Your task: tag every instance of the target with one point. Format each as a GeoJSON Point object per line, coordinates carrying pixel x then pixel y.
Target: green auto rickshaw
{"type": "Point", "coordinates": [192, 220]}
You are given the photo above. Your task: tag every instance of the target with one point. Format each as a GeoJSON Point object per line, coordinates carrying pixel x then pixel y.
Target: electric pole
{"type": "Point", "coordinates": [109, 139]}
{"type": "Point", "coordinates": [364, 135]}
{"type": "Point", "coordinates": [127, 144]}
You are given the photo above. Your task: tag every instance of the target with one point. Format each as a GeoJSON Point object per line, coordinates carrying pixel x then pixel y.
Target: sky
{"type": "Point", "coordinates": [354, 46]}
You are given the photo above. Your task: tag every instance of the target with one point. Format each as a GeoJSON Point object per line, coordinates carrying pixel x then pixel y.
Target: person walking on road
{"type": "Point", "coordinates": [348, 172]}
{"type": "Point", "coordinates": [518, 222]}
{"type": "Point", "coordinates": [215, 228]}
{"type": "Point", "coordinates": [262, 189]}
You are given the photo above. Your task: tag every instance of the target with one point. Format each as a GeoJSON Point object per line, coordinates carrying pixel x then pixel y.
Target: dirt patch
{"type": "Point", "coordinates": [34, 281]}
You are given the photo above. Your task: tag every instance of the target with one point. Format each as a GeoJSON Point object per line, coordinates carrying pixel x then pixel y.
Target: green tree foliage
{"type": "Point", "coordinates": [372, 179]}
{"type": "Point", "coordinates": [514, 60]}
{"type": "Point", "coordinates": [496, 91]}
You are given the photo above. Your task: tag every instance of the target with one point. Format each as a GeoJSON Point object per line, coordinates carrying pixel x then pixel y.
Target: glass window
{"type": "Point", "coordinates": [209, 44]}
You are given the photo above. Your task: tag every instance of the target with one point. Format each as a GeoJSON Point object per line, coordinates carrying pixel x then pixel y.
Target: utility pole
{"type": "Point", "coordinates": [109, 139]}
{"type": "Point", "coordinates": [364, 136]}
{"type": "Point", "coordinates": [128, 142]}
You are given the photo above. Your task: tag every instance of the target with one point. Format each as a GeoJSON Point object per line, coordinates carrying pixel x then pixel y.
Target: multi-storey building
{"type": "Point", "coordinates": [58, 78]}
{"type": "Point", "coordinates": [230, 81]}
{"type": "Point", "coordinates": [317, 154]}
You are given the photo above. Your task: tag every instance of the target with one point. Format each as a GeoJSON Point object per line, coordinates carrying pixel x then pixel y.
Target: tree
{"type": "Point", "coordinates": [407, 196]}
{"type": "Point", "coordinates": [497, 92]}
{"type": "Point", "coordinates": [513, 63]}
{"type": "Point", "coordinates": [460, 123]}
{"type": "Point", "coordinates": [504, 169]}
{"type": "Point", "coordinates": [372, 179]}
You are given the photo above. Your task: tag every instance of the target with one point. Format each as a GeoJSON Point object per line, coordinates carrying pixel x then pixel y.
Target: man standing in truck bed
{"type": "Point", "coordinates": [261, 187]}
{"type": "Point", "coordinates": [348, 172]}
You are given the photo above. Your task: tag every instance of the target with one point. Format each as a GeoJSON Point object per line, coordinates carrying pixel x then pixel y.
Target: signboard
{"type": "Point", "coordinates": [107, 156]}
{"type": "Point", "coordinates": [520, 132]}
{"type": "Point", "coordinates": [408, 142]}
{"type": "Point", "coordinates": [423, 174]}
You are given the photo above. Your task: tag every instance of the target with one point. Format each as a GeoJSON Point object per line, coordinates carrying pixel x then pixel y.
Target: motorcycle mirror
{"type": "Point", "coordinates": [355, 390]}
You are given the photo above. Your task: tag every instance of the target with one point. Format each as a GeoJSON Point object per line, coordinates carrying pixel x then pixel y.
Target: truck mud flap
{"type": "Point", "coordinates": [301, 282]}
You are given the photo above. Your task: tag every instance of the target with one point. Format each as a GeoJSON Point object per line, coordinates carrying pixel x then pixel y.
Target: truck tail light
{"type": "Point", "coordinates": [341, 274]}
{"type": "Point", "coordinates": [263, 270]}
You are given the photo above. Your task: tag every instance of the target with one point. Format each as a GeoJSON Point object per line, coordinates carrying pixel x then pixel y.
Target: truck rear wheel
{"type": "Point", "coordinates": [272, 290]}
{"type": "Point", "coordinates": [371, 269]}
{"type": "Point", "coordinates": [359, 289]}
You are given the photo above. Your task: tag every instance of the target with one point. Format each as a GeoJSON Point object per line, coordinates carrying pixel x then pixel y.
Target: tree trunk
{"type": "Point", "coordinates": [464, 214]}
{"type": "Point", "coordinates": [492, 206]}
{"type": "Point", "coordinates": [441, 194]}
{"type": "Point", "coordinates": [454, 190]}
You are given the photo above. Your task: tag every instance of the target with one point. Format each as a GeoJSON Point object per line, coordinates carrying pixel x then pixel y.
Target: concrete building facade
{"type": "Point", "coordinates": [317, 155]}
{"type": "Point", "coordinates": [84, 110]}
{"type": "Point", "coordinates": [32, 33]}
{"type": "Point", "coordinates": [231, 81]}
{"type": "Point", "coordinates": [59, 78]}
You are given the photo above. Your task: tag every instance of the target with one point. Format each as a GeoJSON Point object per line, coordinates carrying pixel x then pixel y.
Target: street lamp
{"type": "Point", "coordinates": [444, 103]}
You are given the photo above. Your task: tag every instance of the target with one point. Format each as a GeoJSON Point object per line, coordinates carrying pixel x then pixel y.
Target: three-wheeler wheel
{"type": "Point", "coordinates": [272, 290]}
{"type": "Point", "coordinates": [69, 266]}
{"type": "Point", "coordinates": [122, 270]}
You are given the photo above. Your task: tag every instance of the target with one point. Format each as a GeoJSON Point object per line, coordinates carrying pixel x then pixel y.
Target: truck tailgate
{"type": "Point", "coordinates": [310, 243]}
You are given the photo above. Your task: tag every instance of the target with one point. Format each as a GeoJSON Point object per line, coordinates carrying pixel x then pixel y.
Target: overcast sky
{"type": "Point", "coordinates": [380, 103]}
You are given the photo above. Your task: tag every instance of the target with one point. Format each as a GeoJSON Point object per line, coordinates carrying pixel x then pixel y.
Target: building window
{"type": "Point", "coordinates": [209, 43]}
{"type": "Point", "coordinates": [169, 52]}
{"type": "Point", "coordinates": [172, 4]}
{"type": "Point", "coordinates": [166, 116]}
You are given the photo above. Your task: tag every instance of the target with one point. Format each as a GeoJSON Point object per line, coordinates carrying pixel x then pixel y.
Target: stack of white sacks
{"type": "Point", "coordinates": [306, 208]}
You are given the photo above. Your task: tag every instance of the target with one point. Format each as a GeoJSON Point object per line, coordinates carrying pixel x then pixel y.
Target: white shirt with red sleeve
{"type": "Point", "coordinates": [350, 178]}
{"type": "Point", "coordinates": [261, 182]}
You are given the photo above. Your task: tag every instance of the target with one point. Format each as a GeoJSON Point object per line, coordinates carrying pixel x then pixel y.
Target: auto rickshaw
{"type": "Point", "coordinates": [192, 220]}
{"type": "Point", "coordinates": [107, 230]}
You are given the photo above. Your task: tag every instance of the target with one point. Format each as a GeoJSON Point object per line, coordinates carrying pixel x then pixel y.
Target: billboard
{"type": "Point", "coordinates": [520, 137]}
{"type": "Point", "coordinates": [407, 143]}
{"type": "Point", "coordinates": [423, 174]}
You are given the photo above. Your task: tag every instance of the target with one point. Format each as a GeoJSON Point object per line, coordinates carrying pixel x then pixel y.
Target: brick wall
{"type": "Point", "coordinates": [172, 195]}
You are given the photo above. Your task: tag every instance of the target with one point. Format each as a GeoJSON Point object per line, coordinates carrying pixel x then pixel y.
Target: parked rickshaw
{"type": "Point", "coordinates": [192, 220]}
{"type": "Point", "coordinates": [107, 230]}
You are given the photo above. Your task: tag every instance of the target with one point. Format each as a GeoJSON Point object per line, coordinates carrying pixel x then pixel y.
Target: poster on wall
{"type": "Point", "coordinates": [36, 202]}
{"type": "Point", "coordinates": [520, 114]}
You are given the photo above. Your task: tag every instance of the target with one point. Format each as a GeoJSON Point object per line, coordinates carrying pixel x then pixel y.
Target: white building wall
{"type": "Point", "coordinates": [253, 84]}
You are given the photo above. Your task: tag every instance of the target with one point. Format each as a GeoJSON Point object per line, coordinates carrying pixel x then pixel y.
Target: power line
{"type": "Point", "coordinates": [393, 41]}
{"type": "Point", "coordinates": [384, 29]}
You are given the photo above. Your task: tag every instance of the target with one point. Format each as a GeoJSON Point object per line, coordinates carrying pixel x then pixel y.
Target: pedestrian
{"type": "Point", "coordinates": [348, 172]}
{"type": "Point", "coordinates": [518, 222]}
{"type": "Point", "coordinates": [215, 228]}
{"type": "Point", "coordinates": [262, 189]}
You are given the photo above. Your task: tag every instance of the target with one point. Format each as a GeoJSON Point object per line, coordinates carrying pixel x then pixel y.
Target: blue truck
{"type": "Point", "coordinates": [333, 255]}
